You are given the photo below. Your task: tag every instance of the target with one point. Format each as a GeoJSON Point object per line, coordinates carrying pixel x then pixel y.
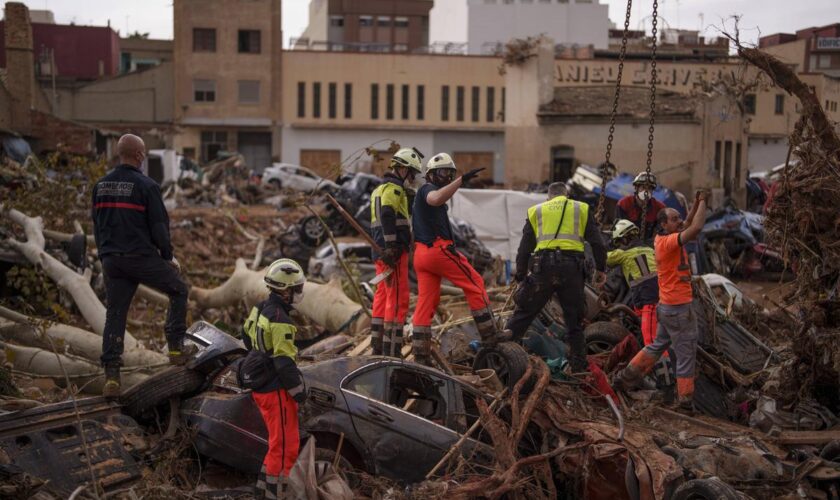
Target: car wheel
{"type": "Point", "coordinates": [705, 489]}
{"type": "Point", "coordinates": [509, 361]}
{"type": "Point", "coordinates": [324, 460]}
{"type": "Point", "coordinates": [276, 183]}
{"type": "Point", "coordinates": [312, 233]}
{"type": "Point", "coordinates": [157, 389]}
{"type": "Point", "coordinates": [602, 336]}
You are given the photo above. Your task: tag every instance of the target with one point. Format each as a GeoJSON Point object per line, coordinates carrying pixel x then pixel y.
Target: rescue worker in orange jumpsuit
{"type": "Point", "coordinates": [390, 228]}
{"type": "Point", "coordinates": [270, 331]}
{"type": "Point", "coordinates": [435, 258]}
{"type": "Point", "coordinates": [677, 323]}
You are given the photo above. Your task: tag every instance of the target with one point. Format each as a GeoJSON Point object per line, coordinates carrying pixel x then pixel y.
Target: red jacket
{"type": "Point", "coordinates": [628, 209]}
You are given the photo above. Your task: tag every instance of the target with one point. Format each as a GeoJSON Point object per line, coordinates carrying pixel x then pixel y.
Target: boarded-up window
{"type": "Point", "coordinates": [249, 91]}
{"type": "Point", "coordinates": [324, 162]}
{"type": "Point", "coordinates": [204, 40]}
{"type": "Point", "coordinates": [468, 160]}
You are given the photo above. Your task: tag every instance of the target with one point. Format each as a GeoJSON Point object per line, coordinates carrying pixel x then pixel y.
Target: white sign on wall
{"type": "Point", "coordinates": [828, 43]}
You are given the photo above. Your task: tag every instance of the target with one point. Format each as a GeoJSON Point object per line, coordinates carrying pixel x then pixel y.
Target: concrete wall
{"type": "Point", "coordinates": [567, 23]}
{"type": "Point", "coordinates": [319, 21]}
{"type": "Point", "coordinates": [766, 153]}
{"type": "Point", "coordinates": [791, 53]}
{"type": "Point", "coordinates": [140, 97]}
{"type": "Point", "coordinates": [20, 70]}
{"type": "Point", "coordinates": [485, 142]}
{"type": "Point", "coordinates": [5, 108]}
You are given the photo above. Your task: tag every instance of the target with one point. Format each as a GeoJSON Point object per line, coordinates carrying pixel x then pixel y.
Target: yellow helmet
{"type": "Point", "coordinates": [623, 228]}
{"type": "Point", "coordinates": [440, 161]}
{"type": "Point", "coordinates": [283, 274]}
{"type": "Point", "coordinates": [408, 157]}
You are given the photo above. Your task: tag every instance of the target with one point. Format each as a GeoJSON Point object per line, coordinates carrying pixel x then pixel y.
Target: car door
{"type": "Point", "coordinates": [403, 445]}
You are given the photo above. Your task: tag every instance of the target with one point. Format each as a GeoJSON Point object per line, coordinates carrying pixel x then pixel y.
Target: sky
{"type": "Point", "coordinates": [760, 17]}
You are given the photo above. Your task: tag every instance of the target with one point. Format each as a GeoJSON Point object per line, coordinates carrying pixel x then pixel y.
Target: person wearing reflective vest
{"type": "Point", "coordinates": [638, 264]}
{"type": "Point", "coordinates": [270, 330]}
{"type": "Point", "coordinates": [436, 258]}
{"type": "Point", "coordinates": [390, 227]}
{"type": "Point", "coordinates": [550, 261]}
{"type": "Point", "coordinates": [677, 323]}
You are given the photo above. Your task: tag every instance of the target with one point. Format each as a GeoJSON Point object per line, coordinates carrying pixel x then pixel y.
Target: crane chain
{"type": "Point", "coordinates": [608, 169]}
{"type": "Point", "coordinates": [652, 119]}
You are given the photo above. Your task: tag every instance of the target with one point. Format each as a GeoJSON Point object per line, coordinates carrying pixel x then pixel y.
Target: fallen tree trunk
{"type": "Point", "coordinates": [77, 285]}
{"type": "Point", "coordinates": [42, 363]}
{"type": "Point", "coordinates": [68, 339]}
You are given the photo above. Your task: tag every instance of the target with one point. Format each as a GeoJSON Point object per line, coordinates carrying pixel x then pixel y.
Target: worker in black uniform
{"type": "Point", "coordinates": [551, 260]}
{"type": "Point", "coordinates": [131, 227]}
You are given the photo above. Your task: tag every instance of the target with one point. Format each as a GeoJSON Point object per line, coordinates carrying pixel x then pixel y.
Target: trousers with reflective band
{"type": "Point", "coordinates": [432, 264]}
{"type": "Point", "coordinates": [390, 302]}
{"type": "Point", "coordinates": [551, 231]}
{"type": "Point", "coordinates": [389, 217]}
{"type": "Point", "coordinates": [274, 338]}
{"type": "Point", "coordinates": [280, 414]}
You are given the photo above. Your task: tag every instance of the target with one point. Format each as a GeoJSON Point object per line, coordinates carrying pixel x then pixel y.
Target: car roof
{"type": "Point", "coordinates": [333, 371]}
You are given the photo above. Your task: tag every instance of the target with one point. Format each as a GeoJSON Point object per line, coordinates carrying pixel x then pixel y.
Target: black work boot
{"type": "Point", "coordinates": [376, 333]}
{"type": "Point", "coordinates": [421, 344]}
{"type": "Point", "coordinates": [111, 390]}
{"type": "Point", "coordinates": [179, 353]}
{"type": "Point", "coordinates": [396, 335]}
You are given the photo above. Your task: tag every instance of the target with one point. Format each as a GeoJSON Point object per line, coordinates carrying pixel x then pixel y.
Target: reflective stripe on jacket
{"type": "Point", "coordinates": [270, 330]}
{"type": "Point", "coordinates": [638, 264]}
{"type": "Point", "coordinates": [552, 232]}
{"type": "Point", "coordinates": [389, 217]}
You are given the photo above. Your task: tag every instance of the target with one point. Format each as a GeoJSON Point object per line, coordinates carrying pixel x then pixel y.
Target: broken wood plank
{"type": "Point", "coordinates": [806, 437]}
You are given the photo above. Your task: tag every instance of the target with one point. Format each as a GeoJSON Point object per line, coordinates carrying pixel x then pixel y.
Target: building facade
{"type": "Point", "coordinates": [227, 58]}
{"type": "Point", "coordinates": [367, 25]}
{"type": "Point", "coordinates": [487, 25]}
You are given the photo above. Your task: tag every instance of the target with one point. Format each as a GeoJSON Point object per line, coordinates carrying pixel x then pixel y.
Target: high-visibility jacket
{"type": "Point", "coordinates": [270, 330]}
{"type": "Point", "coordinates": [553, 233]}
{"type": "Point", "coordinates": [389, 216]}
{"type": "Point", "coordinates": [638, 264]}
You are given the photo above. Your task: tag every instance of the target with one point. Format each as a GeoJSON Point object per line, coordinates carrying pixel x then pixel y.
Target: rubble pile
{"type": "Point", "coordinates": [803, 221]}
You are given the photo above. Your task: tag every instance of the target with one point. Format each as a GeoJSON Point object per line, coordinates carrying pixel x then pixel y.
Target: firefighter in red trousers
{"type": "Point", "coordinates": [638, 264]}
{"type": "Point", "coordinates": [270, 331]}
{"type": "Point", "coordinates": [435, 258]}
{"type": "Point", "coordinates": [390, 228]}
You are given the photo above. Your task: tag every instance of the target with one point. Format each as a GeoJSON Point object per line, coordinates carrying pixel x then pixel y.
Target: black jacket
{"type": "Point", "coordinates": [129, 216]}
{"type": "Point", "coordinates": [529, 242]}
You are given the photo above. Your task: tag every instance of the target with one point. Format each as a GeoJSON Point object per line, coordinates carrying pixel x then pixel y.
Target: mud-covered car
{"type": "Point", "coordinates": [386, 410]}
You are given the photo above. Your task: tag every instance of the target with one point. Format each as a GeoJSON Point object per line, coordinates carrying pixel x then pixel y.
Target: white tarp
{"type": "Point", "coordinates": [497, 215]}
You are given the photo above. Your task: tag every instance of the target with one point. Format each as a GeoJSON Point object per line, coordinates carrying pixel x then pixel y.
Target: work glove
{"type": "Point", "coordinates": [391, 256]}
{"type": "Point", "coordinates": [471, 175]}
{"type": "Point", "coordinates": [600, 279]}
{"type": "Point", "coordinates": [300, 397]}
{"type": "Point", "coordinates": [175, 264]}
{"type": "Point", "coordinates": [519, 277]}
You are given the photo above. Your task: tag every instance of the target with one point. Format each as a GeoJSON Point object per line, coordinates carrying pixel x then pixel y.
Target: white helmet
{"type": "Point", "coordinates": [624, 228]}
{"type": "Point", "coordinates": [283, 274]}
{"type": "Point", "coordinates": [440, 161]}
{"type": "Point", "coordinates": [408, 157]}
{"type": "Point", "coordinates": [645, 178]}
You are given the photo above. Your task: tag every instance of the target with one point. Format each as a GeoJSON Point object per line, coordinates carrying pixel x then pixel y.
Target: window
{"type": "Point", "coordinates": [405, 97]}
{"type": "Point", "coordinates": [383, 21]}
{"type": "Point", "coordinates": [780, 104]}
{"type": "Point", "coordinates": [301, 98]}
{"type": "Point", "coordinates": [331, 100]}
{"type": "Point", "coordinates": [444, 103]}
{"type": "Point", "coordinates": [717, 156]}
{"type": "Point", "coordinates": [249, 91]}
{"type": "Point", "coordinates": [374, 101]}
{"type": "Point", "coordinates": [389, 101]}
{"type": "Point", "coordinates": [249, 41]}
{"type": "Point", "coordinates": [365, 20]}
{"type": "Point", "coordinates": [337, 21]}
{"type": "Point", "coordinates": [211, 143]}
{"type": "Point", "coordinates": [204, 40]}
{"type": "Point", "coordinates": [348, 100]}
{"type": "Point", "coordinates": [727, 167]}
{"type": "Point", "coordinates": [204, 90]}
{"type": "Point", "coordinates": [316, 99]}
{"type": "Point", "coordinates": [370, 384]}
{"type": "Point", "coordinates": [824, 61]}
{"type": "Point", "coordinates": [476, 98]}
{"type": "Point", "coordinates": [400, 22]}
{"type": "Point", "coordinates": [459, 103]}
{"type": "Point", "coordinates": [503, 104]}
{"type": "Point", "coordinates": [421, 102]}
{"type": "Point", "coordinates": [491, 104]}
{"type": "Point", "coordinates": [749, 104]}
{"type": "Point", "coordinates": [737, 163]}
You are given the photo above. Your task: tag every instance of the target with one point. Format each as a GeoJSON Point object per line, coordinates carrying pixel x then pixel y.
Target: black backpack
{"type": "Point", "coordinates": [256, 370]}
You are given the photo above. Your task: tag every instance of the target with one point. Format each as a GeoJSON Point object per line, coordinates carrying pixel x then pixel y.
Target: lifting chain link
{"type": "Point", "coordinates": [649, 199]}
{"type": "Point", "coordinates": [608, 169]}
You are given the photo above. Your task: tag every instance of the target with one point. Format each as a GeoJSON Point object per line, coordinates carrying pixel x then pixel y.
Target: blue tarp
{"type": "Point", "coordinates": [622, 185]}
{"type": "Point", "coordinates": [17, 148]}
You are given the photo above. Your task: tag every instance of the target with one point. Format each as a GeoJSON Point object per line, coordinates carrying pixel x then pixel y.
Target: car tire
{"type": "Point", "coordinates": [276, 183]}
{"type": "Point", "coordinates": [157, 389]}
{"type": "Point", "coordinates": [831, 451]}
{"type": "Point", "coordinates": [705, 489]}
{"type": "Point", "coordinates": [345, 467]}
{"type": "Point", "coordinates": [312, 233]}
{"type": "Point", "coordinates": [602, 336]}
{"type": "Point", "coordinates": [509, 360]}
